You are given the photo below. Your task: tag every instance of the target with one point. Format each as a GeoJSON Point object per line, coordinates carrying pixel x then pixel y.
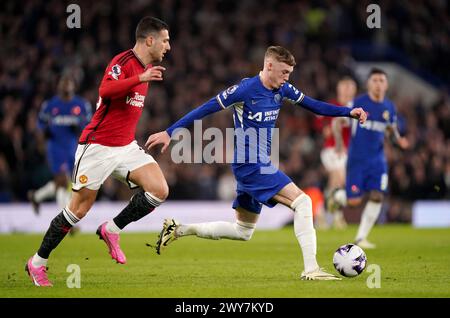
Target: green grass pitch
{"type": "Point", "coordinates": [413, 262]}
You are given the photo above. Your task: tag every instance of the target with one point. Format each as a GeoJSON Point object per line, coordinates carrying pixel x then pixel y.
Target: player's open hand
{"type": "Point", "coordinates": [154, 73]}
{"type": "Point", "coordinates": [158, 138]}
{"type": "Point", "coordinates": [359, 114]}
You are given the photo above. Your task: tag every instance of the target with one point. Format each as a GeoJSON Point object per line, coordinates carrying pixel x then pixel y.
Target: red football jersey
{"type": "Point", "coordinates": [118, 110]}
{"type": "Point", "coordinates": [324, 123]}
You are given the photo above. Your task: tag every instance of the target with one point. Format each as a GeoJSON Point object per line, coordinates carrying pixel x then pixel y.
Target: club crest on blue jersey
{"type": "Point", "coordinates": [277, 98]}
{"type": "Point", "coordinates": [115, 71]}
{"type": "Point", "coordinates": [230, 90]}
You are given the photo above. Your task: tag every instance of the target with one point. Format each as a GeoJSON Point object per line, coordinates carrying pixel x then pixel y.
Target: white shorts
{"type": "Point", "coordinates": [94, 163]}
{"type": "Point", "coordinates": [331, 160]}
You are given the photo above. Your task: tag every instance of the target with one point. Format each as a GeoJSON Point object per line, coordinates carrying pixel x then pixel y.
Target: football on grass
{"type": "Point", "coordinates": [349, 260]}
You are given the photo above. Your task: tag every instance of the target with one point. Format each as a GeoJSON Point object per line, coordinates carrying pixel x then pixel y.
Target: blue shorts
{"type": "Point", "coordinates": [365, 176]}
{"type": "Point", "coordinates": [255, 188]}
{"type": "Point", "coordinates": [60, 160]}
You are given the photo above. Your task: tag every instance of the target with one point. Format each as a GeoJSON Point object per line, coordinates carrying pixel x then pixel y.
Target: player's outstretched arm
{"type": "Point", "coordinates": [120, 87]}
{"type": "Point", "coordinates": [325, 109]}
{"type": "Point", "coordinates": [163, 137]}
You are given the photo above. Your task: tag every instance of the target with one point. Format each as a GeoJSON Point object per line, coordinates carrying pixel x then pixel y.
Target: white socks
{"type": "Point", "coordinates": [304, 230]}
{"type": "Point", "coordinates": [242, 231]}
{"type": "Point", "coordinates": [111, 227]}
{"type": "Point", "coordinates": [38, 261]}
{"type": "Point", "coordinates": [368, 219]}
{"type": "Point", "coordinates": [45, 192]}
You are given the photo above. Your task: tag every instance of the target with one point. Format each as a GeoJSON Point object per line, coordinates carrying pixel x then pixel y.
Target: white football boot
{"type": "Point", "coordinates": [318, 274]}
{"type": "Point", "coordinates": [167, 234]}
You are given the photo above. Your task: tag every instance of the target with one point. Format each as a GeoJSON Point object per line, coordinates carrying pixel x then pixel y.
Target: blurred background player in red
{"type": "Point", "coordinates": [333, 158]}
{"type": "Point", "coordinates": [61, 119]}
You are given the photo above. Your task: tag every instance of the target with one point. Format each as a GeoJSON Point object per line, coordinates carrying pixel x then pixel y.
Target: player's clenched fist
{"type": "Point", "coordinates": [158, 138]}
{"type": "Point", "coordinates": [152, 74]}
{"type": "Point", "coordinates": [359, 114]}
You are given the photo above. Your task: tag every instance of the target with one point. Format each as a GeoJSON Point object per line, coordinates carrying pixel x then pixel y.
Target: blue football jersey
{"type": "Point", "coordinates": [63, 120]}
{"type": "Point", "coordinates": [367, 141]}
{"type": "Point", "coordinates": [255, 111]}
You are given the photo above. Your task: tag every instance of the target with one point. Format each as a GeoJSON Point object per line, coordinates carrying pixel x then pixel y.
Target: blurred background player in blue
{"type": "Point", "coordinates": [61, 119]}
{"type": "Point", "coordinates": [367, 170]}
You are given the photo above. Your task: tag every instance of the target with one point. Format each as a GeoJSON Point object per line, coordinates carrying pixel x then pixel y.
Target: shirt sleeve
{"type": "Point", "coordinates": [207, 108]}
{"type": "Point", "coordinates": [116, 83]}
{"type": "Point", "coordinates": [322, 108]}
{"type": "Point", "coordinates": [291, 94]}
{"type": "Point", "coordinates": [232, 95]}
{"type": "Point", "coordinates": [295, 96]}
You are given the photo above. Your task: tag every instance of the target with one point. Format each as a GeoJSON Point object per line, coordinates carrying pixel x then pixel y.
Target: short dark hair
{"type": "Point", "coordinates": [281, 55]}
{"type": "Point", "coordinates": [148, 25]}
{"type": "Point", "coordinates": [346, 78]}
{"type": "Point", "coordinates": [376, 70]}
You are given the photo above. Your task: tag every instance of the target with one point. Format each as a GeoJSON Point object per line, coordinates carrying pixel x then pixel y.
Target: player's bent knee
{"type": "Point", "coordinates": [302, 203]}
{"type": "Point", "coordinates": [161, 191]}
{"type": "Point", "coordinates": [245, 230]}
{"type": "Point", "coordinates": [80, 210]}
{"type": "Point", "coordinates": [81, 202]}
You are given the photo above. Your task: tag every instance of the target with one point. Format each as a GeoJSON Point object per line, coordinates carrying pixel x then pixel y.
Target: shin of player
{"type": "Point", "coordinates": [369, 215]}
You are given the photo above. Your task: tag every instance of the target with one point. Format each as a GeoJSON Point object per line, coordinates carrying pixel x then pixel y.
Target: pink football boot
{"type": "Point", "coordinates": [38, 275]}
{"type": "Point", "coordinates": [112, 241]}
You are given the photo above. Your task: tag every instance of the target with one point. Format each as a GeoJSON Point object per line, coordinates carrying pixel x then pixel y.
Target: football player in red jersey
{"type": "Point", "coordinates": [107, 146]}
{"type": "Point", "coordinates": [334, 158]}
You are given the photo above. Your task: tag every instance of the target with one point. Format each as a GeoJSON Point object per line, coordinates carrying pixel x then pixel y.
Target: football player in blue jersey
{"type": "Point", "coordinates": [367, 170]}
{"type": "Point", "coordinates": [61, 120]}
{"type": "Point", "coordinates": [256, 103]}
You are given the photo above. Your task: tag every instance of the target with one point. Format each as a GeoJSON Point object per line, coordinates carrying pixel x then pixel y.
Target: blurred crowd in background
{"type": "Point", "coordinates": [214, 45]}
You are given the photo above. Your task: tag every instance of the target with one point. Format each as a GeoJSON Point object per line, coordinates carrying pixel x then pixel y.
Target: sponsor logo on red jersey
{"type": "Point", "coordinates": [137, 100]}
